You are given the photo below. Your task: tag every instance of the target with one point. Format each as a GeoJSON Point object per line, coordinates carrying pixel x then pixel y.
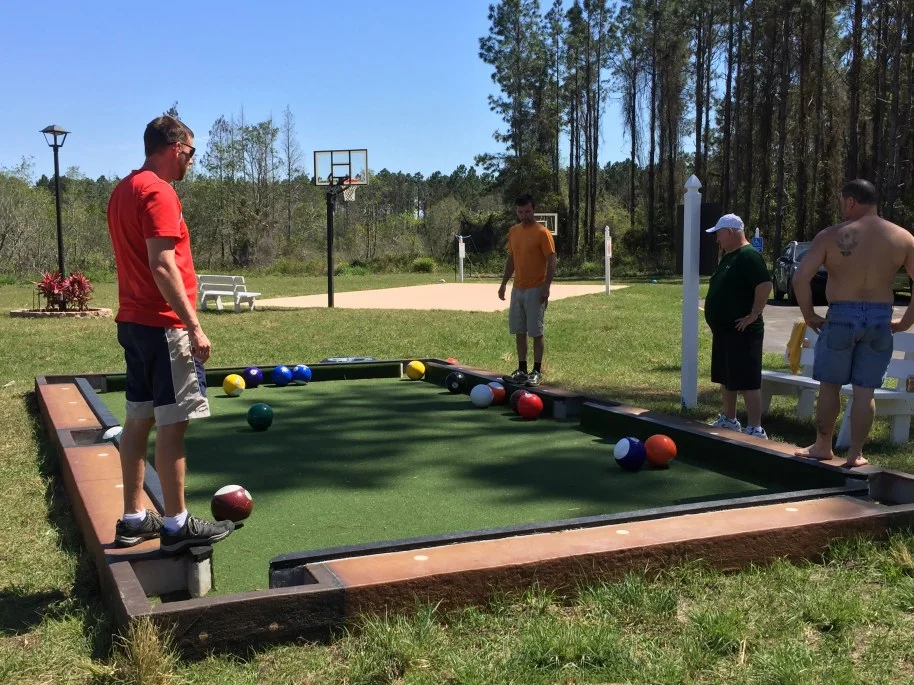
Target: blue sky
{"type": "Point", "coordinates": [402, 78]}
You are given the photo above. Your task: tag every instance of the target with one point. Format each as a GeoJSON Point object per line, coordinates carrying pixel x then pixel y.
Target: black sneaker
{"type": "Point", "coordinates": [534, 379]}
{"type": "Point", "coordinates": [126, 535]}
{"type": "Point", "coordinates": [518, 377]}
{"type": "Point", "coordinates": [193, 533]}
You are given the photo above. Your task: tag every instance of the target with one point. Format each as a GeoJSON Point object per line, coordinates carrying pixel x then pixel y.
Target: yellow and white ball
{"type": "Point", "coordinates": [233, 385]}
{"type": "Point", "coordinates": [415, 370]}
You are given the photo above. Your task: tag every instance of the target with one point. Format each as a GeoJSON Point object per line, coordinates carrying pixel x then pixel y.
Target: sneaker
{"type": "Point", "coordinates": [127, 535]}
{"type": "Point", "coordinates": [755, 432]}
{"type": "Point", "coordinates": [729, 424]}
{"type": "Point", "coordinates": [194, 532]}
{"type": "Point", "coordinates": [534, 379]}
{"type": "Point", "coordinates": [518, 378]}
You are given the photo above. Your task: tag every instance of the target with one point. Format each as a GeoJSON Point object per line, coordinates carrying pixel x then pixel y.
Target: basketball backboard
{"type": "Point", "coordinates": [332, 166]}
{"type": "Point", "coordinates": [550, 221]}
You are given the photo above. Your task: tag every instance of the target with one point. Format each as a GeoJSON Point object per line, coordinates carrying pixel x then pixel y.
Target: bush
{"type": "Point", "coordinates": [65, 292]}
{"type": "Point", "coordinates": [423, 265]}
{"type": "Point", "coordinates": [353, 269]}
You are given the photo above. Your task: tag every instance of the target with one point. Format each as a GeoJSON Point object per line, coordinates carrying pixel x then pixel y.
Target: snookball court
{"type": "Point", "coordinates": [373, 492]}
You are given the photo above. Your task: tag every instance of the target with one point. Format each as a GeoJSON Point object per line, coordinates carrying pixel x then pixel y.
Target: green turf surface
{"type": "Point", "coordinates": [350, 462]}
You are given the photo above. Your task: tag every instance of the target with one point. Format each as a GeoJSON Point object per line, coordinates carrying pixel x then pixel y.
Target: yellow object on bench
{"type": "Point", "coordinates": [795, 345]}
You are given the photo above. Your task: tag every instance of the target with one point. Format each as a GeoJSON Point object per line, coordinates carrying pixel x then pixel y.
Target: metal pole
{"type": "Point", "coordinates": [691, 234]}
{"type": "Point", "coordinates": [59, 225]}
{"type": "Point", "coordinates": [607, 255]}
{"type": "Point", "coordinates": [330, 203]}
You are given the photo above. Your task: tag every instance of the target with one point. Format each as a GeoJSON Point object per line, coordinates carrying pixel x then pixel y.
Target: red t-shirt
{"type": "Point", "coordinates": [144, 206]}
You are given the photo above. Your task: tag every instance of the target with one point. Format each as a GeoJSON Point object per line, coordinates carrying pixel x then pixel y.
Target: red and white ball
{"type": "Point", "coordinates": [231, 503]}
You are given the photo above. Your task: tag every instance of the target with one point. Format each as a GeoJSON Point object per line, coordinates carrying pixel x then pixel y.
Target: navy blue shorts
{"type": "Point", "coordinates": [164, 380]}
{"type": "Point", "coordinates": [854, 345]}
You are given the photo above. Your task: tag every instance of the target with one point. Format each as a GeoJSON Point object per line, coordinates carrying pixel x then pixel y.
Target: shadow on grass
{"type": "Point", "coordinates": [85, 596]}
{"type": "Point", "coordinates": [22, 612]}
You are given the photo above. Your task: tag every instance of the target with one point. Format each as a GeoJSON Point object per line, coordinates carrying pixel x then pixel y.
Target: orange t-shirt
{"type": "Point", "coordinates": [530, 246]}
{"type": "Point", "coordinates": [144, 206]}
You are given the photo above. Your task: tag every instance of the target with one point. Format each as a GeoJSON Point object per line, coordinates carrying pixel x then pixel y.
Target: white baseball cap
{"type": "Point", "coordinates": [727, 221]}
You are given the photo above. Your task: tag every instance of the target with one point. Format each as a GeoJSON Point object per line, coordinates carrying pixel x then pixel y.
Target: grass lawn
{"type": "Point", "coordinates": [848, 619]}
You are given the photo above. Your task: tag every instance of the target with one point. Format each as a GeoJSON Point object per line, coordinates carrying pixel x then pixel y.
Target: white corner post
{"type": "Point", "coordinates": [690, 242]}
{"type": "Point", "coordinates": [461, 255]}
{"type": "Point", "coordinates": [608, 254]}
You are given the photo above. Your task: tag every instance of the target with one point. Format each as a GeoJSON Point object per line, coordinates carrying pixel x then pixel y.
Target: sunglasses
{"type": "Point", "coordinates": [191, 147]}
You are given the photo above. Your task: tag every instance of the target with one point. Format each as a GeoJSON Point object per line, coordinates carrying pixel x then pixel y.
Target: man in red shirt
{"type": "Point", "coordinates": [164, 345]}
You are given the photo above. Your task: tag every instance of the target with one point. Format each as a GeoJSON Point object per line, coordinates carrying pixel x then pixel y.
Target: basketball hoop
{"type": "Point", "coordinates": [349, 190]}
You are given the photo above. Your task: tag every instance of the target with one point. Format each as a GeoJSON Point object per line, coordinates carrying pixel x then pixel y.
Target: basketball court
{"type": "Point", "coordinates": [466, 297]}
{"type": "Point", "coordinates": [342, 173]}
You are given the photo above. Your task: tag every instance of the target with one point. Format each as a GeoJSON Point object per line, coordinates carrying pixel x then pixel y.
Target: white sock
{"type": "Point", "coordinates": [174, 523]}
{"type": "Point", "coordinates": [135, 519]}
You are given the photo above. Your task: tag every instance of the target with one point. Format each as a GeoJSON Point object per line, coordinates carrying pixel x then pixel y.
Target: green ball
{"type": "Point", "coordinates": [260, 416]}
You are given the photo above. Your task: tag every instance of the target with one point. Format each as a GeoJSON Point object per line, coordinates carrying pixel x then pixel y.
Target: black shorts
{"type": "Point", "coordinates": [164, 380]}
{"type": "Point", "coordinates": [736, 360]}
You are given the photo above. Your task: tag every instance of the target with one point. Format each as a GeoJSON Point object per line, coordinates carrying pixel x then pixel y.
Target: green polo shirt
{"type": "Point", "coordinates": [731, 292]}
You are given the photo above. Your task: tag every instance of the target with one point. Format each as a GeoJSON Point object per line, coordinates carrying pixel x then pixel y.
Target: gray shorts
{"type": "Point", "coordinates": [527, 312]}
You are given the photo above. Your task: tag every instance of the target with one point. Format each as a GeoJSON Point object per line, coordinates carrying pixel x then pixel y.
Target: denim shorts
{"type": "Point", "coordinates": [855, 344]}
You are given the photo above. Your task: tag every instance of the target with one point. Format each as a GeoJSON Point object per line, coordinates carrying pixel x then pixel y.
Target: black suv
{"type": "Point", "coordinates": [786, 266]}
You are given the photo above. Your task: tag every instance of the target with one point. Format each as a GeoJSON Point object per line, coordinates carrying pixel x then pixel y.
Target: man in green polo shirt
{"type": "Point", "coordinates": [736, 296]}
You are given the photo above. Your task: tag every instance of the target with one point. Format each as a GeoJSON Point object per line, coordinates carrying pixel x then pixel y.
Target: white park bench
{"type": "Point", "coordinates": [213, 287]}
{"type": "Point", "coordinates": [896, 403]}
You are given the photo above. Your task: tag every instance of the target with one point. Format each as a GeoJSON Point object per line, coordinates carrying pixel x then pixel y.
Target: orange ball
{"type": "Point", "coordinates": [661, 450]}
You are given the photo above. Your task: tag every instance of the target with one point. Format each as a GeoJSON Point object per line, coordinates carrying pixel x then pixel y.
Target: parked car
{"type": "Point", "coordinates": [786, 266]}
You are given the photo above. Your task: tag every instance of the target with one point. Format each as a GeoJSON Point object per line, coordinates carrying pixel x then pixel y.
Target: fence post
{"type": "Point", "coordinates": [690, 244]}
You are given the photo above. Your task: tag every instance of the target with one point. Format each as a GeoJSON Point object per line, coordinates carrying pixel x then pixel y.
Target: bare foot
{"type": "Point", "coordinates": [853, 463]}
{"type": "Point", "coordinates": [815, 452]}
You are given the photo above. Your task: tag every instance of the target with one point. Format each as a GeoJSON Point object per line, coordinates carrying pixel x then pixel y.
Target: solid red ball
{"type": "Point", "coordinates": [661, 450]}
{"type": "Point", "coordinates": [231, 503]}
{"type": "Point", "coordinates": [530, 406]}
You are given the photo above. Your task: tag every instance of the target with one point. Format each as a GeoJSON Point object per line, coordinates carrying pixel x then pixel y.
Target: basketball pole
{"type": "Point", "coordinates": [331, 202]}
{"type": "Point", "coordinates": [691, 227]}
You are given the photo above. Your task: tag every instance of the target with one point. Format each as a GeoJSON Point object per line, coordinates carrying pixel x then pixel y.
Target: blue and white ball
{"type": "Point", "coordinates": [301, 374]}
{"type": "Point", "coordinates": [630, 454]}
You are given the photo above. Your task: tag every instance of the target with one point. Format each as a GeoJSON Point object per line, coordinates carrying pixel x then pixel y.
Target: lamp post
{"type": "Point", "coordinates": [51, 134]}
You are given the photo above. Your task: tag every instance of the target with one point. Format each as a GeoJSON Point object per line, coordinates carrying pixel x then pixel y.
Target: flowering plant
{"type": "Point", "coordinates": [64, 292]}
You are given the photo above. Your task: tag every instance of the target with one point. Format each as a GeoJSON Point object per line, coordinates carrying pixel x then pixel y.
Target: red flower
{"type": "Point", "coordinates": [73, 291]}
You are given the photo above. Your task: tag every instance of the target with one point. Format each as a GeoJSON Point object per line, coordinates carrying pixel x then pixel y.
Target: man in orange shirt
{"type": "Point", "coordinates": [164, 345]}
{"type": "Point", "coordinates": [531, 259]}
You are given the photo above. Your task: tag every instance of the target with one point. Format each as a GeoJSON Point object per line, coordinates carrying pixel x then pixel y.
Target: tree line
{"type": "Point", "coordinates": [772, 105]}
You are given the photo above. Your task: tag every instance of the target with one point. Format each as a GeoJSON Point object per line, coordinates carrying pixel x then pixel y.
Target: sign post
{"type": "Point", "coordinates": [461, 255]}
{"type": "Point", "coordinates": [757, 242]}
{"type": "Point", "coordinates": [608, 254]}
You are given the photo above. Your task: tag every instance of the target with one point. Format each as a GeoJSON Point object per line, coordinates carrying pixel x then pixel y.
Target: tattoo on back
{"type": "Point", "coordinates": [847, 242]}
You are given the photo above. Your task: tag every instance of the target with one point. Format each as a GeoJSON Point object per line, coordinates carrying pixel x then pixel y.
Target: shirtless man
{"type": "Point", "coordinates": [862, 256]}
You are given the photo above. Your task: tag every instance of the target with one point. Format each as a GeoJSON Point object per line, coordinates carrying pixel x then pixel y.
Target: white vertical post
{"type": "Point", "coordinates": [690, 243]}
{"type": "Point", "coordinates": [608, 254]}
{"type": "Point", "coordinates": [461, 255]}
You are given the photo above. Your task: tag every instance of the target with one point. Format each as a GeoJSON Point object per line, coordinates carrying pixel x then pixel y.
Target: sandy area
{"type": "Point", "coordinates": [467, 297]}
